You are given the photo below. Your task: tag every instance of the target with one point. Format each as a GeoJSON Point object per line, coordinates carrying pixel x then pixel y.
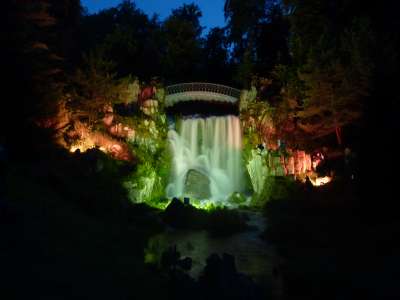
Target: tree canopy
{"type": "Point", "coordinates": [316, 63]}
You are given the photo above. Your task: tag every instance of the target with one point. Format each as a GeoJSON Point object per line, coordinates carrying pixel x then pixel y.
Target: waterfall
{"type": "Point", "coordinates": [207, 161]}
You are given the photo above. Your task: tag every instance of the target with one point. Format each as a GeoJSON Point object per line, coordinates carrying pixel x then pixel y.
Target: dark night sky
{"type": "Point", "coordinates": [213, 10]}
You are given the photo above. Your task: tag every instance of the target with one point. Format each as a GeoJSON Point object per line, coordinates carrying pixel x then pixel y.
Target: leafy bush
{"type": "Point", "coordinates": [278, 187]}
{"type": "Point", "coordinates": [150, 178]}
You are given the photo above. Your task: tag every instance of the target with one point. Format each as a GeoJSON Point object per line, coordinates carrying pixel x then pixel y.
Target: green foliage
{"type": "Point", "coordinates": [150, 145]}
{"type": "Point", "coordinates": [129, 89]}
{"type": "Point", "coordinates": [278, 188]}
{"type": "Point", "coordinates": [332, 68]}
{"type": "Point", "coordinates": [322, 86]}
{"type": "Point", "coordinates": [258, 32]}
{"type": "Point", "coordinates": [257, 118]}
{"type": "Point", "coordinates": [94, 87]}
{"type": "Point", "coordinates": [216, 56]}
{"type": "Point", "coordinates": [127, 36]}
{"type": "Point", "coordinates": [182, 32]}
{"type": "Point", "coordinates": [160, 95]}
{"type": "Point", "coordinates": [244, 18]}
{"type": "Point", "coordinates": [245, 69]}
{"type": "Point", "coordinates": [292, 86]}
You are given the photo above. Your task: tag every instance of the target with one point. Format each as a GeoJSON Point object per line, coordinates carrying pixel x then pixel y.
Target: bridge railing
{"type": "Point", "coordinates": [203, 87]}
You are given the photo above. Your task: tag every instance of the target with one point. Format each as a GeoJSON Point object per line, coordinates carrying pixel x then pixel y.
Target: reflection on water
{"type": "Point", "coordinates": [253, 256]}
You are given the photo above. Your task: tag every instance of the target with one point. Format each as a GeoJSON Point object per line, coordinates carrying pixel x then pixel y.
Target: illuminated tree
{"type": "Point", "coordinates": [95, 89]}
{"type": "Point", "coordinates": [332, 66]}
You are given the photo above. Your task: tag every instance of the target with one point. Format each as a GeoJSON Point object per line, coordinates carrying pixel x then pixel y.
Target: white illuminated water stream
{"type": "Point", "coordinates": [211, 146]}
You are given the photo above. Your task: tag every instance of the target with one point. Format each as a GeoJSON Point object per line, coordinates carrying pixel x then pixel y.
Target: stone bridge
{"type": "Point", "coordinates": [201, 91]}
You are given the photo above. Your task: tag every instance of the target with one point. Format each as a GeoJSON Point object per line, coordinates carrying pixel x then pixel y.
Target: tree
{"type": "Point", "coordinates": [258, 31]}
{"type": "Point", "coordinates": [94, 89]}
{"type": "Point", "coordinates": [183, 44]}
{"type": "Point", "coordinates": [36, 49]}
{"type": "Point", "coordinates": [332, 60]}
{"type": "Point", "coordinates": [127, 36]}
{"type": "Point", "coordinates": [243, 19]}
{"type": "Point", "coordinates": [216, 57]}
{"type": "Point", "coordinates": [271, 46]}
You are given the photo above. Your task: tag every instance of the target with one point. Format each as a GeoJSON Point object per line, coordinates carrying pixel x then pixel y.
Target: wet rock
{"type": "Point", "coordinates": [197, 185]}
{"type": "Point", "coordinates": [179, 215]}
{"type": "Point", "coordinates": [220, 280]}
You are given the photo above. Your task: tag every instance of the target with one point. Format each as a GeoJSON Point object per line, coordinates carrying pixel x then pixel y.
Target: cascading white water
{"type": "Point", "coordinates": [212, 147]}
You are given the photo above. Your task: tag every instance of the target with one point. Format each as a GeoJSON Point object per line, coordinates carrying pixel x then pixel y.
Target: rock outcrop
{"type": "Point", "coordinates": [197, 185]}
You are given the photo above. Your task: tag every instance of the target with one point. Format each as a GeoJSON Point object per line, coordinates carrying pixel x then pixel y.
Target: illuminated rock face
{"type": "Point", "coordinates": [257, 169]}
{"type": "Point", "coordinates": [212, 147]}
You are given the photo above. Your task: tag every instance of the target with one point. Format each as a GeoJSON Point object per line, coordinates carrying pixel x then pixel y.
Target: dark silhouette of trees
{"type": "Point", "coordinates": [144, 46]}
{"type": "Point", "coordinates": [183, 44]}
{"type": "Point", "coordinates": [258, 31]}
{"type": "Point", "coordinates": [94, 88]}
{"type": "Point", "coordinates": [125, 35]}
{"type": "Point", "coordinates": [37, 44]}
{"type": "Point", "coordinates": [318, 63]}
{"type": "Point", "coordinates": [272, 40]}
{"type": "Point", "coordinates": [217, 66]}
{"type": "Point", "coordinates": [330, 44]}
{"type": "Point", "coordinates": [254, 41]}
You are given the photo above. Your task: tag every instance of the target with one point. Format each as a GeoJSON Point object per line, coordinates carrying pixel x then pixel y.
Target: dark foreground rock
{"type": "Point", "coordinates": [219, 221]}
{"type": "Point", "coordinates": [220, 280]}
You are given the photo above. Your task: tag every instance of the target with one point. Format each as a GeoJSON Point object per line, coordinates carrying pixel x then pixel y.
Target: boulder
{"type": "Point", "coordinates": [197, 185]}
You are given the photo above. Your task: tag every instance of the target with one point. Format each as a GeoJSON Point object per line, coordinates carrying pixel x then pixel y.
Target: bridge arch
{"type": "Point", "coordinates": [200, 91]}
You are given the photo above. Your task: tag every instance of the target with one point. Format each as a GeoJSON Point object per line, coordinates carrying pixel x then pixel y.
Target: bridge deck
{"type": "Point", "coordinates": [199, 91]}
